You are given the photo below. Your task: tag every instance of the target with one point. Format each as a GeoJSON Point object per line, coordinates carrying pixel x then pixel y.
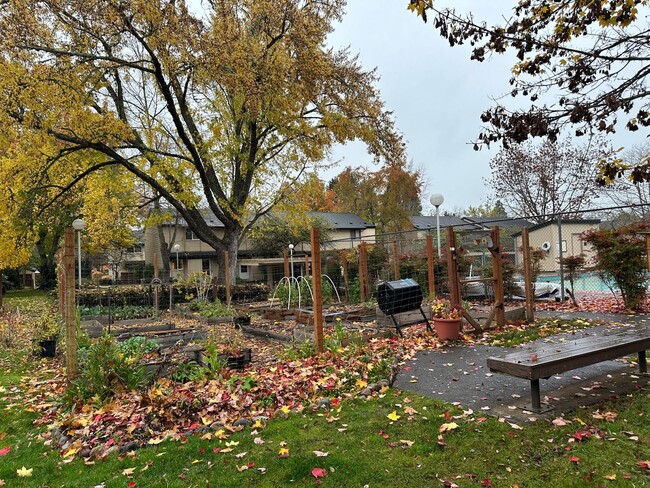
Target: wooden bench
{"type": "Point", "coordinates": [545, 360]}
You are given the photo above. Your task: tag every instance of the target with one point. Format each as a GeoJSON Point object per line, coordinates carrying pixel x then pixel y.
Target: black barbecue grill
{"type": "Point", "coordinates": [400, 296]}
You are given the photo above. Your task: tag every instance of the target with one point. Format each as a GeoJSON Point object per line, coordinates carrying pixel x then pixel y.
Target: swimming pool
{"type": "Point", "coordinates": [583, 282]}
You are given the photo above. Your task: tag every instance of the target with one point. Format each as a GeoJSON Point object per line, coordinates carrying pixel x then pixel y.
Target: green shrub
{"type": "Point", "coordinates": [104, 369]}
{"type": "Point", "coordinates": [211, 309]}
{"type": "Point", "coordinates": [620, 259]}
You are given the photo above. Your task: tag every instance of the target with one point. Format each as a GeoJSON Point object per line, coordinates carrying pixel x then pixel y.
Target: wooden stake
{"type": "Point", "coordinates": [226, 263]}
{"type": "Point", "coordinates": [647, 248]}
{"type": "Point", "coordinates": [431, 282]}
{"type": "Point", "coordinates": [317, 286]}
{"type": "Point", "coordinates": [70, 315]}
{"type": "Point", "coordinates": [286, 264]}
{"type": "Point", "coordinates": [528, 276]}
{"type": "Point", "coordinates": [306, 265]}
{"type": "Point", "coordinates": [452, 268]}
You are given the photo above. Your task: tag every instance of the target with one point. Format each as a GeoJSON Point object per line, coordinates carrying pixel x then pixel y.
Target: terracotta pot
{"type": "Point", "coordinates": [447, 329]}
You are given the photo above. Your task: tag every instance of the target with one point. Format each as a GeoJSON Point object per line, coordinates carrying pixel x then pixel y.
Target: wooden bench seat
{"type": "Point", "coordinates": [545, 360]}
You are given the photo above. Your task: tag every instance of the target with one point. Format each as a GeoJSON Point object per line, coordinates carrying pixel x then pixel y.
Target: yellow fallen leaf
{"type": "Point", "coordinates": [128, 471]}
{"type": "Point", "coordinates": [447, 427]}
{"type": "Point", "coordinates": [393, 416]}
{"type": "Point", "coordinates": [242, 468]}
{"type": "Point", "coordinates": [196, 461]}
{"type": "Point", "coordinates": [206, 421]}
{"type": "Point", "coordinates": [155, 442]}
{"type": "Point", "coordinates": [207, 436]}
{"type": "Point", "coordinates": [232, 443]}
{"type": "Point", "coordinates": [283, 452]}
{"type": "Point", "coordinates": [361, 384]}
{"type": "Point", "coordinates": [24, 472]}
{"type": "Point", "coordinates": [258, 424]}
{"type": "Point", "coordinates": [70, 452]}
{"type": "Point", "coordinates": [286, 409]}
{"type": "Point", "coordinates": [221, 434]}
{"type": "Point", "coordinates": [610, 477]}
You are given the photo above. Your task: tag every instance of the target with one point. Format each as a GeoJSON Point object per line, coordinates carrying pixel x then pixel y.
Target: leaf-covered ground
{"type": "Point", "coordinates": [320, 397]}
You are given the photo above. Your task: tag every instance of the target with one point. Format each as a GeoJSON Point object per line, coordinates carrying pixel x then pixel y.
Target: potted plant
{"type": "Point", "coordinates": [46, 329]}
{"type": "Point", "coordinates": [234, 352]}
{"type": "Point", "coordinates": [447, 320]}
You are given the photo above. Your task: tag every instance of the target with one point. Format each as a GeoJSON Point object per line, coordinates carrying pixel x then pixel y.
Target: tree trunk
{"type": "Point", "coordinates": [231, 246]}
{"type": "Point", "coordinates": [47, 264]}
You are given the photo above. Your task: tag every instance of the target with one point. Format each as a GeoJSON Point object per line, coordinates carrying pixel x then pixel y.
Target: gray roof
{"type": "Point", "coordinates": [337, 220]}
{"type": "Point", "coordinates": [424, 222]}
{"type": "Point", "coordinates": [342, 220]}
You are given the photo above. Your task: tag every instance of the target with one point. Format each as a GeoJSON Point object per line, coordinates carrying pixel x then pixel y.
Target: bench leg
{"type": "Point", "coordinates": [534, 395]}
{"type": "Point", "coordinates": [535, 398]}
{"type": "Point", "coordinates": [643, 366]}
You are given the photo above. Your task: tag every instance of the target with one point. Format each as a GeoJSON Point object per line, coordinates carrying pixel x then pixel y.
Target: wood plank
{"type": "Point", "coordinates": [584, 351]}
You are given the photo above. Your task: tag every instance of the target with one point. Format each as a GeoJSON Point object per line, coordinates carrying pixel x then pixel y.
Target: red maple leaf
{"type": "Point", "coordinates": [643, 464]}
{"type": "Point", "coordinates": [574, 459]}
{"type": "Point", "coordinates": [486, 482]}
{"type": "Point", "coordinates": [5, 450]}
{"type": "Point", "coordinates": [318, 473]}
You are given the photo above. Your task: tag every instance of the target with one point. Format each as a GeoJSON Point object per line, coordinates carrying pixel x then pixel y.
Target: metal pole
{"type": "Point", "coordinates": [177, 268]}
{"type": "Point", "coordinates": [559, 247]}
{"type": "Point", "coordinates": [438, 229]}
{"type": "Point", "coordinates": [79, 247]}
{"type": "Point", "coordinates": [291, 259]}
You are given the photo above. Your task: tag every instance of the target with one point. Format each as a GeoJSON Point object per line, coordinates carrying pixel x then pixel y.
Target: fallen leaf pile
{"type": "Point", "coordinates": [170, 411]}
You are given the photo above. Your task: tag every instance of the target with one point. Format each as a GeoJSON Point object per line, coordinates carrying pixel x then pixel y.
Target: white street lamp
{"type": "Point", "coordinates": [177, 247]}
{"type": "Point", "coordinates": [79, 225]}
{"type": "Point", "coordinates": [436, 200]}
{"type": "Point", "coordinates": [291, 246]}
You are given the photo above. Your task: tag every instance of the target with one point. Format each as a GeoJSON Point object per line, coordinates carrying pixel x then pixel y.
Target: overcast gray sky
{"type": "Point", "coordinates": [435, 92]}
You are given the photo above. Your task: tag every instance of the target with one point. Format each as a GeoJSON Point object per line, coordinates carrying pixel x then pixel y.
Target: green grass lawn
{"type": "Point", "coordinates": [396, 439]}
{"type": "Point", "coordinates": [363, 445]}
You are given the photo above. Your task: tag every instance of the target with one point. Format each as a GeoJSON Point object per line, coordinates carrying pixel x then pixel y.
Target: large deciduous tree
{"type": "Point", "coordinates": [388, 197]}
{"type": "Point", "coordinates": [222, 108]}
{"type": "Point", "coordinates": [538, 181]}
{"type": "Point", "coordinates": [593, 57]}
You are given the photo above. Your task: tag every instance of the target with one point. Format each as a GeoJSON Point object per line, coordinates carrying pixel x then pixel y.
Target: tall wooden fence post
{"type": "Point", "coordinates": [226, 264]}
{"type": "Point", "coordinates": [70, 315]}
{"type": "Point", "coordinates": [344, 271]}
{"type": "Point", "coordinates": [317, 286]}
{"type": "Point", "coordinates": [286, 264]}
{"type": "Point", "coordinates": [430, 278]}
{"type": "Point", "coordinates": [452, 268]}
{"type": "Point", "coordinates": [528, 275]}
{"type": "Point", "coordinates": [156, 288]}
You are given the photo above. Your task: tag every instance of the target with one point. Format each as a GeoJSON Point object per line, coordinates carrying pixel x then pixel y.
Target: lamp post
{"type": "Point", "coordinates": [177, 247]}
{"type": "Point", "coordinates": [291, 246]}
{"type": "Point", "coordinates": [436, 200]}
{"type": "Point", "coordinates": [79, 225]}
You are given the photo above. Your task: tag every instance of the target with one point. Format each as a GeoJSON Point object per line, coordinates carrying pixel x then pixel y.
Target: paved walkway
{"type": "Point", "coordinates": [458, 374]}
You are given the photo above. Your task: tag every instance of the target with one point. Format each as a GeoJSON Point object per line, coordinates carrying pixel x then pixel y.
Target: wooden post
{"type": "Point", "coordinates": [70, 315]}
{"type": "Point", "coordinates": [452, 268]}
{"type": "Point", "coordinates": [647, 249]}
{"type": "Point", "coordinates": [226, 264]}
{"type": "Point", "coordinates": [528, 276]}
{"type": "Point", "coordinates": [318, 291]}
{"type": "Point", "coordinates": [0, 289]}
{"type": "Point", "coordinates": [306, 265]}
{"type": "Point", "coordinates": [497, 273]}
{"type": "Point", "coordinates": [395, 260]}
{"type": "Point", "coordinates": [431, 282]}
{"type": "Point", "coordinates": [286, 264]}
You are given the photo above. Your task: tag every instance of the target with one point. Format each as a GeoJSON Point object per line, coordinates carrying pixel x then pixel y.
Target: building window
{"type": "Point", "coordinates": [243, 269]}
{"type": "Point", "coordinates": [190, 236]}
{"type": "Point", "coordinates": [180, 264]}
{"type": "Point", "coordinates": [355, 234]}
{"type": "Point", "coordinates": [205, 266]}
{"type": "Point", "coordinates": [134, 249]}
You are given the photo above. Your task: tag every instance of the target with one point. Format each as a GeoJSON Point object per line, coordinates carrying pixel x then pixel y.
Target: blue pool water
{"type": "Point", "coordinates": [582, 282]}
